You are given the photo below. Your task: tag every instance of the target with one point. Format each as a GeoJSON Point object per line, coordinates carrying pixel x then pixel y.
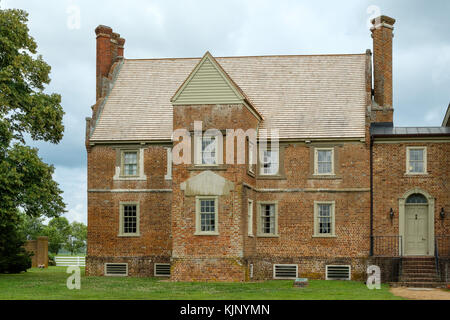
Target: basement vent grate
{"type": "Point", "coordinates": [162, 270]}
{"type": "Point", "coordinates": [285, 271]}
{"type": "Point", "coordinates": [338, 272]}
{"type": "Point", "coordinates": [116, 269]}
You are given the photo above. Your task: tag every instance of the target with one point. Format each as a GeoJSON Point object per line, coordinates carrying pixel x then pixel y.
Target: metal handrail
{"type": "Point", "coordinates": [436, 256]}
{"type": "Point", "coordinates": [388, 245]}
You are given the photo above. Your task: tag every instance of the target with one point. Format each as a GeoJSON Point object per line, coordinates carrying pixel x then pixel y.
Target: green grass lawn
{"type": "Point", "coordinates": [51, 284]}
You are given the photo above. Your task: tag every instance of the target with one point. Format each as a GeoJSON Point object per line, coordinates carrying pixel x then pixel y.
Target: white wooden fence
{"type": "Point", "coordinates": [70, 261]}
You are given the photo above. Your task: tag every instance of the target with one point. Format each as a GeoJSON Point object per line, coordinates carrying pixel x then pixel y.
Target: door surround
{"type": "Point", "coordinates": [402, 218]}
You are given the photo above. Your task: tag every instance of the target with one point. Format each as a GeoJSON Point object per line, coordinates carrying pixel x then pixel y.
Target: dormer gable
{"type": "Point", "coordinates": [208, 83]}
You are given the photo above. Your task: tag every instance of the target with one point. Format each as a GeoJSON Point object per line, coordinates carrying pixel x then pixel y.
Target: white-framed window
{"type": "Point", "coordinates": [416, 160]}
{"type": "Point", "coordinates": [130, 163]}
{"type": "Point", "coordinates": [251, 159]}
{"type": "Point", "coordinates": [267, 219]}
{"type": "Point", "coordinates": [207, 217]}
{"type": "Point", "coordinates": [129, 219]}
{"type": "Point", "coordinates": [207, 151]}
{"type": "Point", "coordinates": [250, 217]}
{"type": "Point", "coordinates": [324, 161]}
{"type": "Point", "coordinates": [324, 218]}
{"type": "Point", "coordinates": [168, 175]}
{"type": "Point", "coordinates": [270, 162]}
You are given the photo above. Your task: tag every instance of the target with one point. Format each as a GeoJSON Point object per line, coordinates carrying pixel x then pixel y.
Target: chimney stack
{"type": "Point", "coordinates": [110, 47]}
{"type": "Point", "coordinates": [382, 34]}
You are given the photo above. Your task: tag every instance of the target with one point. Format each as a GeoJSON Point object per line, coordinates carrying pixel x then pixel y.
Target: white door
{"type": "Point", "coordinates": [416, 233]}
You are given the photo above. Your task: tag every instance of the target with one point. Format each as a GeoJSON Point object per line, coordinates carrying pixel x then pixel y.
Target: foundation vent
{"type": "Point", "coordinates": [338, 272]}
{"type": "Point", "coordinates": [162, 270]}
{"type": "Point", "coordinates": [285, 271]}
{"type": "Point", "coordinates": [116, 269]}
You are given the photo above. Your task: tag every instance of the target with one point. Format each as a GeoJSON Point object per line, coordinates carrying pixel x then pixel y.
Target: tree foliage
{"type": "Point", "coordinates": [26, 183]}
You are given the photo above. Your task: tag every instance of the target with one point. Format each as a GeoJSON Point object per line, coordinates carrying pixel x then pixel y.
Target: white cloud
{"type": "Point", "coordinates": [73, 182]}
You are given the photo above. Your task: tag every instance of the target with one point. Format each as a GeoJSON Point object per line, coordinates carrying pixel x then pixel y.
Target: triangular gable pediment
{"type": "Point", "coordinates": [208, 83]}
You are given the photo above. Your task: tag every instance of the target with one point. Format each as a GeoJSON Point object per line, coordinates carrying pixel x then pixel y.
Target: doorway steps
{"type": "Point", "coordinates": [419, 272]}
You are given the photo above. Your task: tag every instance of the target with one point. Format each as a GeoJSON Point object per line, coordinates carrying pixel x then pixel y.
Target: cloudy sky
{"type": "Point", "coordinates": [64, 31]}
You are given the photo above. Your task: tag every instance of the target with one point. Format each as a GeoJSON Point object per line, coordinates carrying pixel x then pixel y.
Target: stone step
{"type": "Point", "coordinates": [419, 274]}
{"type": "Point", "coordinates": [418, 270]}
{"type": "Point", "coordinates": [418, 265]}
{"type": "Point", "coordinates": [421, 279]}
{"type": "Point", "coordinates": [418, 284]}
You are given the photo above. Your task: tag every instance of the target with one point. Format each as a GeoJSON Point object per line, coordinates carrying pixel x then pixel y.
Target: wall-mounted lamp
{"type": "Point", "coordinates": [442, 213]}
{"type": "Point", "coordinates": [391, 214]}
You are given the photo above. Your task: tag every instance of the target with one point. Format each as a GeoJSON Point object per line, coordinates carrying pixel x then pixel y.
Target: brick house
{"type": "Point", "coordinates": [343, 188]}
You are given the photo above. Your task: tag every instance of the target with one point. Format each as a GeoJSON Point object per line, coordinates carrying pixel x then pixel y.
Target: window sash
{"type": "Point", "coordinates": [208, 151]}
{"type": "Point", "coordinates": [325, 219]}
{"type": "Point", "coordinates": [268, 218]}
{"type": "Point", "coordinates": [208, 215]}
{"type": "Point", "coordinates": [250, 156]}
{"type": "Point", "coordinates": [324, 161]}
{"type": "Point", "coordinates": [130, 163]}
{"type": "Point", "coordinates": [416, 160]}
{"type": "Point", "coordinates": [130, 219]}
{"type": "Point", "coordinates": [250, 218]}
{"type": "Point", "coordinates": [270, 162]}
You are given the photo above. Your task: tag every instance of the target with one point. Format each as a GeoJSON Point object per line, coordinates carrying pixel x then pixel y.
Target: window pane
{"type": "Point", "coordinates": [208, 150]}
{"type": "Point", "coordinates": [324, 161]}
{"type": "Point", "coordinates": [130, 163]}
{"type": "Point", "coordinates": [324, 219]}
{"type": "Point", "coordinates": [270, 162]}
{"type": "Point", "coordinates": [268, 218]}
{"type": "Point", "coordinates": [207, 215]}
{"type": "Point", "coordinates": [130, 218]}
{"type": "Point", "coordinates": [416, 161]}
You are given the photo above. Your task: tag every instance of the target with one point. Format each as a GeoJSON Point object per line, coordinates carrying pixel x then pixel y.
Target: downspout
{"type": "Point", "coordinates": [371, 196]}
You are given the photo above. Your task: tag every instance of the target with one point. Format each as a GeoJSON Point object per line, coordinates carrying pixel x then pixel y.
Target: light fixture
{"type": "Point", "coordinates": [391, 214]}
{"type": "Point", "coordinates": [442, 214]}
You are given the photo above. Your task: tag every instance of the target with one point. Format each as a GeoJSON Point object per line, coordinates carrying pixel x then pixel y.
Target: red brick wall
{"type": "Point", "coordinates": [391, 183]}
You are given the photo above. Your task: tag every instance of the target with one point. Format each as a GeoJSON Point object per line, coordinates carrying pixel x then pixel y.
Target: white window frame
{"type": "Point", "coordinates": [121, 218]}
{"type": "Point", "coordinates": [316, 220]}
{"type": "Point", "coordinates": [198, 227]}
{"type": "Point", "coordinates": [119, 174]}
{"type": "Point", "coordinates": [250, 218]}
{"type": "Point", "coordinates": [316, 162]}
{"type": "Point", "coordinates": [261, 166]}
{"type": "Point", "coordinates": [425, 160]}
{"type": "Point", "coordinates": [168, 175]}
{"type": "Point", "coordinates": [199, 151]}
{"type": "Point", "coordinates": [251, 151]}
{"type": "Point", "coordinates": [259, 227]}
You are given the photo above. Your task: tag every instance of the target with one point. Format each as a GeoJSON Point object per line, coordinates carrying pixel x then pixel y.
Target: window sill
{"type": "Point", "coordinates": [207, 167]}
{"type": "Point", "coordinates": [125, 178]}
{"type": "Point", "coordinates": [324, 177]}
{"type": "Point", "coordinates": [411, 174]}
{"type": "Point", "coordinates": [251, 236]}
{"type": "Point", "coordinates": [324, 236]}
{"type": "Point", "coordinates": [206, 234]}
{"type": "Point", "coordinates": [271, 177]}
{"type": "Point", "coordinates": [137, 235]}
{"type": "Point", "coordinates": [268, 236]}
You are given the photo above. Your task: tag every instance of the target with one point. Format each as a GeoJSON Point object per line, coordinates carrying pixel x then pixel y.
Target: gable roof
{"type": "Point", "coordinates": [446, 122]}
{"type": "Point", "coordinates": [316, 96]}
{"type": "Point", "coordinates": [208, 83]}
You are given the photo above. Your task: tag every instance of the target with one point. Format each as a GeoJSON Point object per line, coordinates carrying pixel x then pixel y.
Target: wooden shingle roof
{"type": "Point", "coordinates": [316, 96]}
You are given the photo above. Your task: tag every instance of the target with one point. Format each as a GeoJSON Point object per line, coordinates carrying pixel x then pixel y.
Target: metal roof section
{"type": "Point", "coordinates": [305, 97]}
{"type": "Point", "coordinates": [446, 122]}
{"type": "Point", "coordinates": [386, 131]}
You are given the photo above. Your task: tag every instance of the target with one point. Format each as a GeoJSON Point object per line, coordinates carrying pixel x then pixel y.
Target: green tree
{"type": "Point", "coordinates": [25, 111]}
{"type": "Point", "coordinates": [31, 227]}
{"type": "Point", "coordinates": [58, 232]}
{"type": "Point", "coordinates": [77, 238]}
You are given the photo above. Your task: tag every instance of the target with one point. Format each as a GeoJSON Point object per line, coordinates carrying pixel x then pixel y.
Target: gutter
{"type": "Point", "coordinates": [371, 195]}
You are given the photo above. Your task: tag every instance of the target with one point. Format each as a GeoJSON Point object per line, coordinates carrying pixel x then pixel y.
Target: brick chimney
{"type": "Point", "coordinates": [382, 34]}
{"type": "Point", "coordinates": [110, 47]}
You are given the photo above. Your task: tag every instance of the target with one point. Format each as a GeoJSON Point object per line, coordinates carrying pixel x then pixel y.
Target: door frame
{"type": "Point", "coordinates": [402, 218]}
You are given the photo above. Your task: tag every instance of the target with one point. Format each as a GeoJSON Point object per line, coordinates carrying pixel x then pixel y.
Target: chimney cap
{"type": "Point", "coordinates": [383, 19]}
{"type": "Point", "coordinates": [101, 29]}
